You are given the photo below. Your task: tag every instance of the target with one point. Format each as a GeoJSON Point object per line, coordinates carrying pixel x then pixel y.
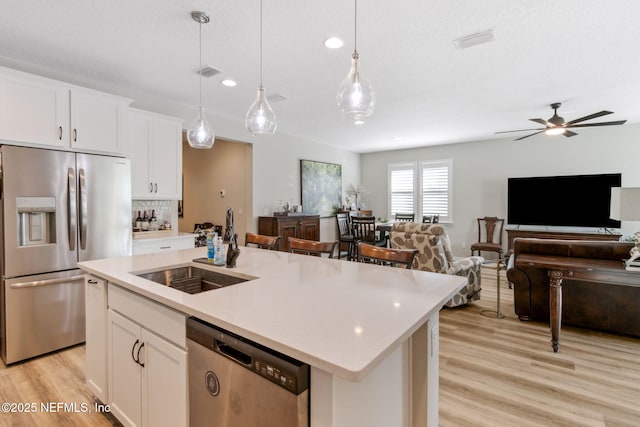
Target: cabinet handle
{"type": "Point", "coordinates": [133, 349]}
{"type": "Point", "coordinates": [138, 355]}
{"type": "Point", "coordinates": [93, 282]}
{"type": "Point", "coordinates": [151, 187]}
{"type": "Point", "coordinates": [75, 135]}
{"type": "Point", "coordinates": [60, 133]}
{"type": "Point", "coordinates": [155, 187]}
{"type": "Point", "coordinates": [165, 247]}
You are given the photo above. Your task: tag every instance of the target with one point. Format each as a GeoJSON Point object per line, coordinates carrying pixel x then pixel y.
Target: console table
{"type": "Point", "coordinates": [578, 268]}
{"type": "Point", "coordinates": [562, 235]}
{"type": "Point", "coordinates": [298, 226]}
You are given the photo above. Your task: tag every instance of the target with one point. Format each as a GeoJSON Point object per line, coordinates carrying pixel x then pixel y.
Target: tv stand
{"type": "Point", "coordinates": [562, 235]}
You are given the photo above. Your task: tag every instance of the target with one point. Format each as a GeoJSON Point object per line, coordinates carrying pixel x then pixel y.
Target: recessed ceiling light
{"type": "Point", "coordinates": [333, 43]}
{"type": "Point", "coordinates": [229, 82]}
{"type": "Point", "coordinates": [397, 138]}
{"type": "Point", "coordinates": [358, 122]}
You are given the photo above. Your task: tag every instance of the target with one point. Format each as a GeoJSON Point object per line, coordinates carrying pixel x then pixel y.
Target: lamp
{"type": "Point", "coordinates": [260, 119]}
{"type": "Point", "coordinates": [356, 97]}
{"type": "Point", "coordinates": [555, 131]}
{"type": "Point", "coordinates": [200, 134]}
{"type": "Point", "coordinates": [625, 206]}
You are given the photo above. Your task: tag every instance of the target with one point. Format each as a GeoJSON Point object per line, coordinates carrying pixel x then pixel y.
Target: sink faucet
{"type": "Point", "coordinates": [233, 252]}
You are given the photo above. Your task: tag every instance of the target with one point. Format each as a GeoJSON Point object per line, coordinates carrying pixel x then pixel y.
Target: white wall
{"type": "Point", "coordinates": [481, 169]}
{"type": "Point", "coordinates": [276, 173]}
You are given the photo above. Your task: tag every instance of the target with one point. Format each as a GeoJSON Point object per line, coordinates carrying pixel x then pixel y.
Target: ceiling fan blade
{"type": "Point", "coordinates": [518, 130]}
{"type": "Point", "coordinates": [543, 122]}
{"type": "Point", "coordinates": [527, 136]}
{"type": "Point", "coordinates": [589, 117]}
{"type": "Point", "coordinates": [586, 125]}
{"type": "Point", "coordinates": [568, 133]}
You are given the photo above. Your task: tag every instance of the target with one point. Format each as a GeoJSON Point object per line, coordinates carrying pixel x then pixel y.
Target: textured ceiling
{"type": "Point", "coordinates": [578, 52]}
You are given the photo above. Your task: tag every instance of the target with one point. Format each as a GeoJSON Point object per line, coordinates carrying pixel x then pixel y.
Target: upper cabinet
{"type": "Point", "coordinates": [42, 112]}
{"type": "Point", "coordinates": [97, 121]}
{"type": "Point", "coordinates": [154, 144]}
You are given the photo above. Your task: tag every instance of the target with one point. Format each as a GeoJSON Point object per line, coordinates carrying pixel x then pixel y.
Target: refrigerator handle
{"type": "Point", "coordinates": [82, 214]}
{"type": "Point", "coordinates": [71, 208]}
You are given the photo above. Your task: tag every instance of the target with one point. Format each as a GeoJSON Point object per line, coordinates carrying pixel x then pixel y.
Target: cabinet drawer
{"type": "Point", "coordinates": [141, 247]}
{"type": "Point", "coordinates": [164, 321]}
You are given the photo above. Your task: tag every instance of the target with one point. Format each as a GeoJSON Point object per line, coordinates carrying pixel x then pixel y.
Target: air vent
{"type": "Point", "coordinates": [208, 71]}
{"type": "Point", "coordinates": [475, 39]}
{"type": "Point", "coordinates": [276, 97]}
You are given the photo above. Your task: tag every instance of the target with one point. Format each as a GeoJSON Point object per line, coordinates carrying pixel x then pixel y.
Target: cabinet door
{"type": "Point", "coordinates": [34, 111]}
{"type": "Point", "coordinates": [97, 121]}
{"type": "Point", "coordinates": [138, 137]}
{"type": "Point", "coordinates": [310, 229]}
{"type": "Point", "coordinates": [287, 228]}
{"type": "Point", "coordinates": [124, 372]}
{"type": "Point", "coordinates": [95, 295]}
{"type": "Point", "coordinates": [164, 382]}
{"type": "Point", "coordinates": [166, 151]}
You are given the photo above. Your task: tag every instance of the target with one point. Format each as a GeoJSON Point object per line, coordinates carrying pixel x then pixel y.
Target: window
{"type": "Point", "coordinates": [423, 188]}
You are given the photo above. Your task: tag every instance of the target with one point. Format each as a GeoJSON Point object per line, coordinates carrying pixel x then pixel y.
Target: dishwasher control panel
{"type": "Point", "coordinates": [280, 369]}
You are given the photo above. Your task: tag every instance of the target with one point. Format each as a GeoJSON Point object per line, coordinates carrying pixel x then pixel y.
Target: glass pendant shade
{"type": "Point", "coordinates": [356, 97]}
{"type": "Point", "coordinates": [200, 133]}
{"type": "Point", "coordinates": [261, 120]}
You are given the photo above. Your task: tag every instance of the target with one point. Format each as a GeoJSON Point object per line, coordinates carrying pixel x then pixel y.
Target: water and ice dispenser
{"type": "Point", "coordinates": [36, 220]}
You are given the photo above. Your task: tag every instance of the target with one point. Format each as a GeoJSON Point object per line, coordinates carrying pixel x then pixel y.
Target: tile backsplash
{"type": "Point", "coordinates": [166, 210]}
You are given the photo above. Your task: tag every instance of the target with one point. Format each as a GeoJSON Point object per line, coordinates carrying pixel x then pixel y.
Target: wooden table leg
{"type": "Point", "coordinates": [555, 306]}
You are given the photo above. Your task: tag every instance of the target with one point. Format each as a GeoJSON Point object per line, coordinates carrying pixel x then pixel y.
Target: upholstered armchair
{"type": "Point", "coordinates": [434, 255]}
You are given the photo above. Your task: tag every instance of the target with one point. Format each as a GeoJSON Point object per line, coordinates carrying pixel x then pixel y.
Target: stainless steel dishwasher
{"type": "Point", "coordinates": [234, 382]}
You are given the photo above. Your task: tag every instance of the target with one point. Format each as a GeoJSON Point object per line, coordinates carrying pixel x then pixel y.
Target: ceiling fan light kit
{"type": "Point", "coordinates": [556, 125]}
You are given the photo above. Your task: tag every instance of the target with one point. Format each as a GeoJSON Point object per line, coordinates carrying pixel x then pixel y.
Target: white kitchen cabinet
{"type": "Point", "coordinates": [147, 361]}
{"type": "Point", "coordinates": [163, 244]}
{"type": "Point", "coordinates": [154, 144]}
{"type": "Point", "coordinates": [37, 111]}
{"type": "Point", "coordinates": [33, 110]}
{"type": "Point", "coordinates": [97, 121]}
{"type": "Point", "coordinates": [95, 295]}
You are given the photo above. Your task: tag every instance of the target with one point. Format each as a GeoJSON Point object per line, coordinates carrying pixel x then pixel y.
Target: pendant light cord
{"type": "Point", "coordinates": [355, 27]}
{"type": "Point", "coordinates": [200, 69]}
{"type": "Point", "coordinates": [260, 43]}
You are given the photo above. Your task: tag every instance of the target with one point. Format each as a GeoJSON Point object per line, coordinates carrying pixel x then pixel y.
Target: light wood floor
{"type": "Point", "coordinates": [503, 372]}
{"type": "Point", "coordinates": [493, 372]}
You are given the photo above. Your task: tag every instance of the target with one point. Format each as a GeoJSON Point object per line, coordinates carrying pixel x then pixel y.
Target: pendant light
{"type": "Point", "coordinates": [260, 119]}
{"type": "Point", "coordinates": [200, 134]}
{"type": "Point", "coordinates": [356, 98]}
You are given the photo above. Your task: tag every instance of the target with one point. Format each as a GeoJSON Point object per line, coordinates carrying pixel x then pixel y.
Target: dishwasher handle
{"type": "Point", "coordinates": [233, 353]}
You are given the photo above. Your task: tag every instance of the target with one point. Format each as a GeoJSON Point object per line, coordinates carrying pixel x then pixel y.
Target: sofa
{"type": "Point", "coordinates": [600, 294]}
{"type": "Point", "coordinates": [434, 255]}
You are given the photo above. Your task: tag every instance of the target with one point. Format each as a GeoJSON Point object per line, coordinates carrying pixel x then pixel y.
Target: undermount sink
{"type": "Point", "coordinates": [192, 279]}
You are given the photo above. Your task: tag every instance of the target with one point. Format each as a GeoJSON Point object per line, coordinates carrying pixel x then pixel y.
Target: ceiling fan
{"type": "Point", "coordinates": [557, 126]}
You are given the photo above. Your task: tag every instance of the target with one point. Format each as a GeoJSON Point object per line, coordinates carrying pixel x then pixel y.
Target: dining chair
{"type": "Point", "coordinates": [386, 256]}
{"type": "Point", "coordinates": [271, 243]}
{"type": "Point", "coordinates": [409, 217]}
{"type": "Point", "coordinates": [311, 247]}
{"type": "Point", "coordinates": [491, 227]}
{"type": "Point", "coordinates": [344, 235]}
{"type": "Point", "coordinates": [364, 230]}
{"type": "Point", "coordinates": [430, 219]}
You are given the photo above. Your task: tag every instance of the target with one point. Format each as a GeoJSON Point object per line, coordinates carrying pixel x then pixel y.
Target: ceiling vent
{"type": "Point", "coordinates": [276, 97]}
{"type": "Point", "coordinates": [208, 71]}
{"type": "Point", "coordinates": [475, 39]}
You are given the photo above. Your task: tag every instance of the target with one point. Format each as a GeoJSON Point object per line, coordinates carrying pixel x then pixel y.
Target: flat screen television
{"type": "Point", "coordinates": [571, 201]}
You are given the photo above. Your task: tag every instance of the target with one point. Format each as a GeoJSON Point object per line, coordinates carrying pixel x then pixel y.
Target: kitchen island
{"type": "Point", "coordinates": [369, 333]}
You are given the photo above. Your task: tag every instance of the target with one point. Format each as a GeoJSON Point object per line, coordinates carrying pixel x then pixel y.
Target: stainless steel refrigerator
{"type": "Point", "coordinates": [58, 208]}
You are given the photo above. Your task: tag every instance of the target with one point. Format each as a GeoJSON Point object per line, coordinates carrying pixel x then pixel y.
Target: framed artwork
{"type": "Point", "coordinates": [320, 187]}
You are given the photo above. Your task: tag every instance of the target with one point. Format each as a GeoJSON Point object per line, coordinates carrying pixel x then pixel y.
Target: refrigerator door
{"type": "Point", "coordinates": [104, 206]}
{"type": "Point", "coordinates": [38, 202]}
{"type": "Point", "coordinates": [44, 312]}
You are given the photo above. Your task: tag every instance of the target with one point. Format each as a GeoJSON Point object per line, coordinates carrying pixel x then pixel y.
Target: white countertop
{"type": "Point", "coordinates": [339, 316]}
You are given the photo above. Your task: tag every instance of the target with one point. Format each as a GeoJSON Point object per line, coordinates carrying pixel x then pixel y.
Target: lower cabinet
{"type": "Point", "coordinates": [147, 371]}
{"type": "Point", "coordinates": [299, 226]}
{"type": "Point", "coordinates": [95, 297]}
{"type": "Point", "coordinates": [149, 246]}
